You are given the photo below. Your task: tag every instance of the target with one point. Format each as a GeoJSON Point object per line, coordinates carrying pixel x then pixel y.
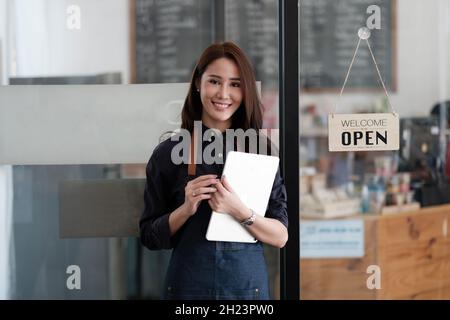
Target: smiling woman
{"type": "Point", "coordinates": [180, 198]}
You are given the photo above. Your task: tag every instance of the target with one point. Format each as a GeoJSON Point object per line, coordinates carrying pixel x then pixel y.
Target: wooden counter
{"type": "Point", "coordinates": [412, 250]}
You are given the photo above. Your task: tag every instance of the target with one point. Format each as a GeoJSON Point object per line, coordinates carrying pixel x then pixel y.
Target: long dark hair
{"type": "Point", "coordinates": [249, 113]}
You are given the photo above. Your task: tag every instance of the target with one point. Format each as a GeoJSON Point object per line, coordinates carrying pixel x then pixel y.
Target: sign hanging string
{"type": "Point", "coordinates": [364, 34]}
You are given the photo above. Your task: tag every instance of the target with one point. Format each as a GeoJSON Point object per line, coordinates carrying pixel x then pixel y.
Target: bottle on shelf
{"type": "Point", "coordinates": [365, 199]}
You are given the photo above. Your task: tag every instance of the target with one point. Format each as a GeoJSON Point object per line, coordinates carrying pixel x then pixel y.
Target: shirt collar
{"type": "Point", "coordinates": [205, 128]}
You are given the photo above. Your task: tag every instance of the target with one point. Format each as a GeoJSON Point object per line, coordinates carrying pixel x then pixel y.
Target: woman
{"type": "Point", "coordinates": [178, 207]}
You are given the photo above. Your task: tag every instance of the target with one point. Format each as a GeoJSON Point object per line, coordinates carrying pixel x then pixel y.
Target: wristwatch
{"type": "Point", "coordinates": [249, 221]}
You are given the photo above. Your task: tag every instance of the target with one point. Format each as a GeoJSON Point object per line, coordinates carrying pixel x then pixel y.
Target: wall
{"type": "Point", "coordinates": [46, 47]}
{"type": "Point", "coordinates": [423, 73]}
{"type": "Point", "coordinates": [423, 44]}
{"type": "Point", "coordinates": [3, 32]}
{"type": "Point", "coordinates": [5, 179]}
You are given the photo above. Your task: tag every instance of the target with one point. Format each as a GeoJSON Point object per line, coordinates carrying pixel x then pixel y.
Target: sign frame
{"type": "Point", "coordinates": [363, 132]}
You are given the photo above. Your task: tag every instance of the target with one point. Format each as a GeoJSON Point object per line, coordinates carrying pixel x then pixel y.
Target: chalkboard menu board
{"type": "Point", "coordinates": [168, 37]}
{"type": "Point", "coordinates": [253, 25]}
{"type": "Point", "coordinates": [328, 38]}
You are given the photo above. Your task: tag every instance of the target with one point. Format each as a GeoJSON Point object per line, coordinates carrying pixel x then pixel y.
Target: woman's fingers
{"type": "Point", "coordinates": [199, 189]}
{"type": "Point", "coordinates": [203, 196]}
{"type": "Point", "coordinates": [226, 184]}
{"type": "Point", "coordinates": [204, 177]}
{"type": "Point", "coordinates": [203, 183]}
{"type": "Point", "coordinates": [220, 188]}
{"type": "Point", "coordinates": [203, 190]}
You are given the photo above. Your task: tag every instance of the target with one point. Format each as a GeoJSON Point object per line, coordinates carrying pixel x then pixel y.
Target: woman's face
{"type": "Point", "coordinates": [220, 93]}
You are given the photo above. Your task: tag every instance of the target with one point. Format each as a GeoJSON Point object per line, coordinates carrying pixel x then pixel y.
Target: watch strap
{"type": "Point", "coordinates": [249, 221]}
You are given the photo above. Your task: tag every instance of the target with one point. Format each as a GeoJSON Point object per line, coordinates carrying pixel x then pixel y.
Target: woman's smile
{"type": "Point", "coordinates": [221, 105]}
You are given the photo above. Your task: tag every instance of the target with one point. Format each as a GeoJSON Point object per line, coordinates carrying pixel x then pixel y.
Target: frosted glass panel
{"type": "Point", "coordinates": [86, 124]}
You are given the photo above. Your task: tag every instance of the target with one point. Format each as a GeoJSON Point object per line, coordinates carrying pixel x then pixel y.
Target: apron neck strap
{"type": "Point", "coordinates": [193, 154]}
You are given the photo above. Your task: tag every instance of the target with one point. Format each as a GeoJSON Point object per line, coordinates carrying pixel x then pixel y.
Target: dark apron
{"type": "Point", "coordinates": [202, 269]}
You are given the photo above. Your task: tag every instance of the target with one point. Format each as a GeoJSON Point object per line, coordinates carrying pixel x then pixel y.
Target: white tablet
{"type": "Point", "coordinates": [251, 176]}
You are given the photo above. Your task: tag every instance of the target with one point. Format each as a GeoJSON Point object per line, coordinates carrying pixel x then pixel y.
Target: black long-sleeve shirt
{"type": "Point", "coordinates": [164, 192]}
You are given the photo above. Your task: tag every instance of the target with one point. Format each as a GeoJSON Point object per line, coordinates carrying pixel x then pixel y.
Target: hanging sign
{"type": "Point", "coordinates": [363, 132]}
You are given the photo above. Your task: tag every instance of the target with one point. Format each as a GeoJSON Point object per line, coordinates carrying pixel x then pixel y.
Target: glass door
{"type": "Point", "coordinates": [373, 225]}
{"type": "Point", "coordinates": [89, 88]}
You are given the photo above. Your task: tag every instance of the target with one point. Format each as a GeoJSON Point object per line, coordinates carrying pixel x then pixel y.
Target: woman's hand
{"type": "Point", "coordinates": [197, 190]}
{"type": "Point", "coordinates": [225, 200]}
